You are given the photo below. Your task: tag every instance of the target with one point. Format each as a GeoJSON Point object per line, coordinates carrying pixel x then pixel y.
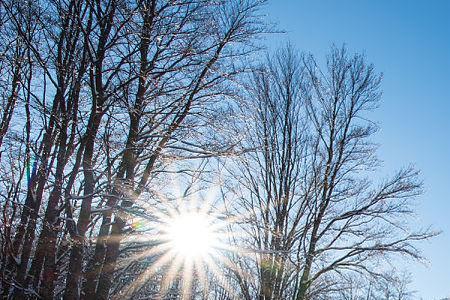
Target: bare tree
{"type": "Point", "coordinates": [314, 207]}
{"type": "Point", "coordinates": [273, 177]}
{"type": "Point", "coordinates": [114, 88]}
{"type": "Point", "coordinates": [353, 219]}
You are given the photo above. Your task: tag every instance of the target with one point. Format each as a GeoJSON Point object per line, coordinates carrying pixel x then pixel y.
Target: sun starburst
{"type": "Point", "coordinates": [190, 242]}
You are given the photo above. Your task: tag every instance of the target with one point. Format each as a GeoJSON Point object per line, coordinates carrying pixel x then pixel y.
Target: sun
{"type": "Point", "coordinates": [190, 241]}
{"type": "Point", "coordinates": [191, 235]}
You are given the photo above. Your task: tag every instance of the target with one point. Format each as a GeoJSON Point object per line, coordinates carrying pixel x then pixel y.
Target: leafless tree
{"type": "Point", "coordinates": [115, 89]}
{"type": "Point", "coordinates": [315, 205]}
{"type": "Point", "coordinates": [273, 175]}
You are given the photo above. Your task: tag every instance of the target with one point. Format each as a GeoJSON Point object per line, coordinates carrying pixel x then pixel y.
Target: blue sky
{"type": "Point", "coordinates": [409, 41]}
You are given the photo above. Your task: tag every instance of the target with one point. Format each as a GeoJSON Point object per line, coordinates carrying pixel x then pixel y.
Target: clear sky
{"type": "Point", "coordinates": [409, 41]}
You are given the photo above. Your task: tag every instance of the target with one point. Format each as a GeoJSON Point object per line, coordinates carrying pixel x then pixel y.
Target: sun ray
{"type": "Point", "coordinates": [186, 281]}
{"type": "Point", "coordinates": [219, 276]}
{"type": "Point", "coordinates": [153, 251]}
{"type": "Point", "coordinates": [171, 274]}
{"type": "Point", "coordinates": [200, 270]}
{"type": "Point", "coordinates": [233, 267]}
{"type": "Point", "coordinates": [162, 261]}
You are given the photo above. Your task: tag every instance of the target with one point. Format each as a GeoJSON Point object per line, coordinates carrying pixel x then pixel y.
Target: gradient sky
{"type": "Point", "coordinates": [409, 41]}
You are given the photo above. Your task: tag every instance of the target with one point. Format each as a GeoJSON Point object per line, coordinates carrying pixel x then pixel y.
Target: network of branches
{"type": "Point", "coordinates": [114, 110]}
